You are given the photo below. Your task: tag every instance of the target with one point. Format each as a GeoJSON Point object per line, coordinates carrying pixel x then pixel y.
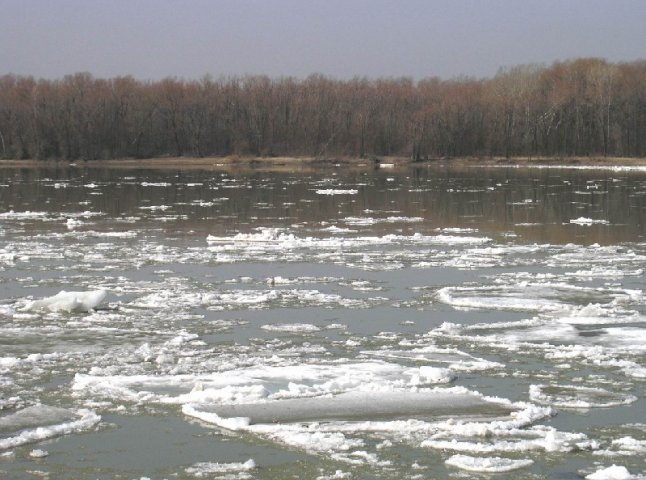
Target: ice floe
{"type": "Point", "coordinates": [359, 221]}
{"type": "Point", "coordinates": [209, 469]}
{"type": "Point", "coordinates": [487, 464]}
{"type": "Point", "coordinates": [354, 406]}
{"type": "Point", "coordinates": [574, 396]}
{"type": "Point", "coordinates": [337, 191]}
{"type": "Point", "coordinates": [330, 408]}
{"type": "Point", "coordinates": [624, 446]}
{"type": "Point", "coordinates": [614, 472]}
{"type": "Point", "coordinates": [293, 327]}
{"type": "Point", "coordinates": [453, 359]}
{"type": "Point", "coordinates": [588, 221]}
{"type": "Point", "coordinates": [26, 215]}
{"type": "Point", "coordinates": [41, 422]}
{"type": "Point", "coordinates": [68, 302]}
{"type": "Point", "coordinates": [330, 425]}
{"type": "Point", "coordinates": [556, 298]}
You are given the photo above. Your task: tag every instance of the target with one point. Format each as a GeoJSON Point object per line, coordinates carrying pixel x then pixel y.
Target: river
{"type": "Point", "coordinates": [419, 322]}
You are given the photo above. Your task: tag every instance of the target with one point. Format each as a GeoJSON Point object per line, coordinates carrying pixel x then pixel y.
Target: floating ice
{"type": "Point", "coordinates": [518, 298]}
{"type": "Point", "coordinates": [330, 425]}
{"type": "Point", "coordinates": [232, 423]}
{"type": "Point", "coordinates": [574, 396]}
{"type": "Point", "coordinates": [26, 215]}
{"type": "Point", "coordinates": [329, 408]}
{"type": "Point", "coordinates": [355, 406]}
{"type": "Point", "coordinates": [40, 422]}
{"type": "Point", "coordinates": [252, 384]}
{"type": "Point", "coordinates": [487, 464]}
{"type": "Point", "coordinates": [525, 202]}
{"type": "Point", "coordinates": [614, 472]}
{"type": "Point", "coordinates": [333, 191]}
{"type": "Point", "coordinates": [155, 184]}
{"type": "Point", "coordinates": [337, 475]}
{"type": "Point", "coordinates": [156, 207]}
{"type": "Point", "coordinates": [166, 351]}
{"type": "Point", "coordinates": [457, 230]}
{"type": "Point", "coordinates": [629, 445]}
{"type": "Point", "coordinates": [625, 446]}
{"type": "Point", "coordinates": [207, 469]}
{"type": "Point", "coordinates": [456, 360]}
{"type": "Point", "coordinates": [435, 375]}
{"type": "Point", "coordinates": [502, 437]}
{"type": "Point", "coordinates": [588, 221]}
{"type": "Point", "coordinates": [73, 223]}
{"type": "Point", "coordinates": [34, 416]}
{"type": "Point", "coordinates": [335, 229]}
{"type": "Point", "coordinates": [114, 234]}
{"type": "Point", "coordinates": [291, 327]}
{"type": "Point", "coordinates": [555, 298]}
{"type": "Point", "coordinates": [363, 221]}
{"type": "Point", "coordinates": [7, 257]}
{"type": "Point", "coordinates": [69, 302]}
{"type": "Point", "coordinates": [273, 244]}
{"type": "Point", "coordinates": [244, 298]}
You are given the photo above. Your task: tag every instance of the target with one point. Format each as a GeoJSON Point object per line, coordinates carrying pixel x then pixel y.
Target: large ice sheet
{"type": "Point", "coordinates": [356, 406]}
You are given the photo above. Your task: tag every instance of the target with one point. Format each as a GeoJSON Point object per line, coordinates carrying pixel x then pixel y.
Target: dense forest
{"type": "Point", "coordinates": [574, 108]}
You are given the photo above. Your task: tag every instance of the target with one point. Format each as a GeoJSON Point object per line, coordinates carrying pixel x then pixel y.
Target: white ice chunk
{"type": "Point", "coordinates": [436, 374]}
{"type": "Point", "coordinates": [38, 453]}
{"type": "Point", "coordinates": [207, 469]}
{"type": "Point", "coordinates": [337, 191]}
{"type": "Point", "coordinates": [69, 301]}
{"type": "Point", "coordinates": [73, 223]}
{"type": "Point", "coordinates": [588, 221]}
{"type": "Point", "coordinates": [291, 327]}
{"type": "Point", "coordinates": [518, 298]}
{"type": "Point", "coordinates": [365, 221]}
{"type": "Point", "coordinates": [233, 423]}
{"type": "Point", "coordinates": [629, 444]}
{"type": "Point", "coordinates": [614, 472]}
{"type": "Point", "coordinates": [337, 475]}
{"type": "Point", "coordinates": [487, 464]}
{"type": "Point", "coordinates": [27, 215]}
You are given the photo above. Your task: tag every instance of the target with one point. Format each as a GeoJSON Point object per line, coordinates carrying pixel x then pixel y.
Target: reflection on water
{"type": "Point", "coordinates": [538, 205]}
{"type": "Point", "coordinates": [424, 322]}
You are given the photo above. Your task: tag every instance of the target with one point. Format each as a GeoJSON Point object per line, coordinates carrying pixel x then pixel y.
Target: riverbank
{"type": "Point", "coordinates": [312, 163]}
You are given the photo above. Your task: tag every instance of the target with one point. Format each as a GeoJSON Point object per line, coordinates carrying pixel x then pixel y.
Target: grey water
{"type": "Point", "coordinates": [359, 315]}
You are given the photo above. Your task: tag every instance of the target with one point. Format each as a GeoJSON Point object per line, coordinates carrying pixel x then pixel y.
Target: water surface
{"type": "Point", "coordinates": [393, 323]}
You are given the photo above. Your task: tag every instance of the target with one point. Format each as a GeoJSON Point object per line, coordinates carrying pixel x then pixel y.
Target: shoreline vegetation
{"type": "Point", "coordinates": [575, 110]}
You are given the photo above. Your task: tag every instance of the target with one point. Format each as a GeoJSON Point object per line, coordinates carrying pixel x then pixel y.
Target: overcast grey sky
{"type": "Point", "coordinates": [152, 39]}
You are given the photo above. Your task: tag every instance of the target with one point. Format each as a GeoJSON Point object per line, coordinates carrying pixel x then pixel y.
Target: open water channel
{"type": "Point", "coordinates": [419, 323]}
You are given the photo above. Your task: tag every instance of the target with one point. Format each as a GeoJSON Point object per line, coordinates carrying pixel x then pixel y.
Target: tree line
{"type": "Point", "coordinates": [574, 108]}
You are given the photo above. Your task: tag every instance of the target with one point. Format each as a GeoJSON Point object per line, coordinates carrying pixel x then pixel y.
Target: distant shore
{"type": "Point", "coordinates": [312, 163]}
